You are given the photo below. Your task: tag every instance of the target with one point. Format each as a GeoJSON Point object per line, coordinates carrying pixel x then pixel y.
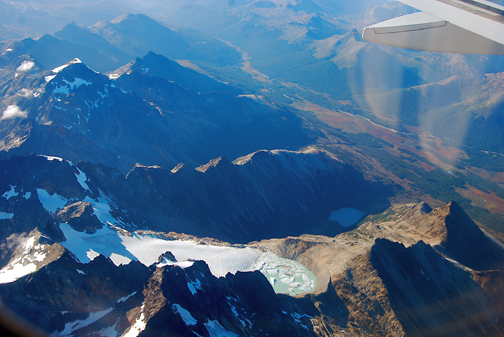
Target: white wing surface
{"type": "Point", "coordinates": [453, 26]}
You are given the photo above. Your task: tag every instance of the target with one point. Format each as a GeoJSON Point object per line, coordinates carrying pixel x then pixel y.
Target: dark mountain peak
{"type": "Point", "coordinates": [459, 223]}
{"type": "Point", "coordinates": [424, 208]}
{"type": "Point", "coordinates": [417, 279]}
{"type": "Point", "coordinates": [464, 241]}
{"type": "Point", "coordinates": [153, 64]}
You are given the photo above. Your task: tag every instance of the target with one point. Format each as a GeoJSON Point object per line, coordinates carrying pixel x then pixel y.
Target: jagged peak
{"type": "Point", "coordinates": [213, 163]}
{"type": "Point", "coordinates": [147, 167]}
{"type": "Point", "coordinates": [74, 74]}
{"type": "Point", "coordinates": [180, 168]}
{"type": "Point", "coordinates": [261, 154]}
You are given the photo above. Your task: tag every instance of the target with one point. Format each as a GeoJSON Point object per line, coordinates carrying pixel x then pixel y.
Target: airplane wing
{"type": "Point", "coordinates": [452, 26]}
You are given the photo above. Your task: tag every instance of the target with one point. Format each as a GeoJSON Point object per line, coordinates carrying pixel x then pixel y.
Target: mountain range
{"type": "Point", "coordinates": [244, 168]}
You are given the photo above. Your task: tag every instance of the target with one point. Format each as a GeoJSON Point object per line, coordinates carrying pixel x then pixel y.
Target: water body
{"type": "Point", "coordinates": [286, 276]}
{"type": "Point", "coordinates": [346, 217]}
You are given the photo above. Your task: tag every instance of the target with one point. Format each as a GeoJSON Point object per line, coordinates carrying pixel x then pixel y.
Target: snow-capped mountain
{"type": "Point", "coordinates": [79, 114]}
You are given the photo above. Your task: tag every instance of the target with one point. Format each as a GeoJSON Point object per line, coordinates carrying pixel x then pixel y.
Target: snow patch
{"type": "Point", "coordinates": [81, 272]}
{"type": "Point", "coordinates": [245, 322]}
{"type": "Point", "coordinates": [16, 271]}
{"type": "Point", "coordinates": [49, 78]}
{"type": "Point", "coordinates": [6, 216]}
{"type": "Point", "coordinates": [51, 202]}
{"type": "Point", "coordinates": [13, 111]}
{"type": "Point", "coordinates": [109, 331]}
{"type": "Point", "coordinates": [125, 298]}
{"type": "Point", "coordinates": [28, 254]}
{"type": "Point", "coordinates": [216, 330]}
{"type": "Point", "coordinates": [81, 179]}
{"type": "Point", "coordinates": [184, 314]}
{"type": "Point", "coordinates": [25, 93]}
{"type": "Point", "coordinates": [139, 325]}
{"type": "Point", "coordinates": [183, 264]}
{"type": "Point", "coordinates": [90, 254]}
{"type": "Point", "coordinates": [119, 259]}
{"type": "Point", "coordinates": [78, 324]}
{"type": "Point", "coordinates": [11, 193]}
{"type": "Point", "coordinates": [60, 68]}
{"type": "Point", "coordinates": [194, 286]}
{"type": "Point", "coordinates": [297, 318]}
{"type": "Point", "coordinates": [65, 89]}
{"type": "Point", "coordinates": [51, 158]}
{"type": "Point", "coordinates": [147, 249]}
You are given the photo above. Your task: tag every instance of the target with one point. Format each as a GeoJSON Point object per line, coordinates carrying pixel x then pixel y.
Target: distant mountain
{"type": "Point", "coordinates": [34, 18]}
{"type": "Point", "coordinates": [139, 34]}
{"type": "Point", "coordinates": [138, 118]}
{"type": "Point", "coordinates": [107, 46]}
{"type": "Point", "coordinates": [52, 52]}
{"type": "Point", "coordinates": [85, 37]}
{"type": "Point", "coordinates": [159, 66]}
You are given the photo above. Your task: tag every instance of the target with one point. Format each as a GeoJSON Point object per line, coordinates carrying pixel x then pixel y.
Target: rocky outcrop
{"type": "Point", "coordinates": [80, 216]}
{"type": "Point", "coordinates": [465, 242]}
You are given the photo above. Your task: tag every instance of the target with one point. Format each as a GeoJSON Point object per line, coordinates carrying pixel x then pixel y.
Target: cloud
{"type": "Point", "coordinates": [13, 111]}
{"type": "Point", "coordinates": [25, 66]}
{"type": "Point", "coordinates": [25, 92]}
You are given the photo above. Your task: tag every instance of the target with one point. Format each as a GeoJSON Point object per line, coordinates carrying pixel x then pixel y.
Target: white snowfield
{"type": "Point", "coordinates": [122, 248]}
{"type": "Point", "coordinates": [28, 254]}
